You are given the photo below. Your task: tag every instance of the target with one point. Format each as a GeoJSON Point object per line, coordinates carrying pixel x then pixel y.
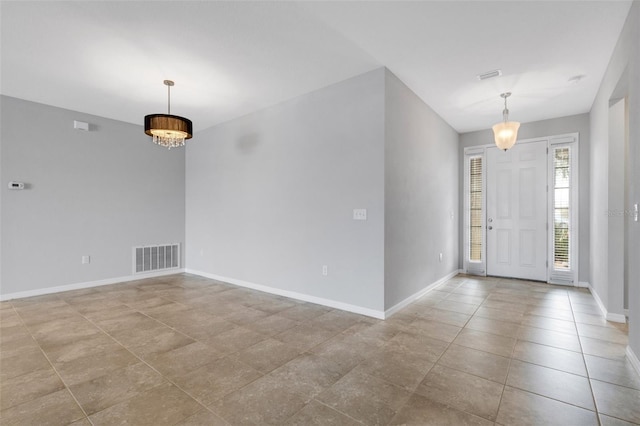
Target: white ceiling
{"type": "Point", "coordinates": [231, 58]}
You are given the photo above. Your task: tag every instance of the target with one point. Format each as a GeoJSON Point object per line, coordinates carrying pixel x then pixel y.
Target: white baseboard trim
{"type": "Point", "coordinates": [616, 318]}
{"type": "Point", "coordinates": [594, 293]}
{"type": "Point", "coordinates": [633, 359]}
{"type": "Point", "coordinates": [582, 284]}
{"type": "Point", "coordinates": [294, 295]}
{"type": "Point", "coordinates": [89, 284]}
{"type": "Point", "coordinates": [608, 315]}
{"type": "Point", "coordinates": [399, 306]}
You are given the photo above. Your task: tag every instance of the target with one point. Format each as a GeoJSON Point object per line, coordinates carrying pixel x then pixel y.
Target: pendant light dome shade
{"type": "Point", "coordinates": [506, 132]}
{"type": "Point", "coordinates": [168, 130]}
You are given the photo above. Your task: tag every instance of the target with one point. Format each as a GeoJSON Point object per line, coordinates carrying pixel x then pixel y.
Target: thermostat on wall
{"type": "Point", "coordinates": [80, 125]}
{"type": "Point", "coordinates": [16, 185]}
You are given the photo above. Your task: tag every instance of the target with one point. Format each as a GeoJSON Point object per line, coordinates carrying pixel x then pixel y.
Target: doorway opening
{"type": "Point", "coordinates": [520, 210]}
{"type": "Point", "coordinates": [619, 201]}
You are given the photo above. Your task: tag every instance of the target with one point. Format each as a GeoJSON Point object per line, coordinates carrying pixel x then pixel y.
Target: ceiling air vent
{"type": "Point", "coordinates": [489, 74]}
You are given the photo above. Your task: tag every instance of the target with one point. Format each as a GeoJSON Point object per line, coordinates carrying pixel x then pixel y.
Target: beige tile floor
{"type": "Point", "coordinates": [184, 350]}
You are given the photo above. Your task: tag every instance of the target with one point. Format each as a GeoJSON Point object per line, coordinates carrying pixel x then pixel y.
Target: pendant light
{"type": "Point", "coordinates": [506, 132]}
{"type": "Point", "coordinates": [168, 130]}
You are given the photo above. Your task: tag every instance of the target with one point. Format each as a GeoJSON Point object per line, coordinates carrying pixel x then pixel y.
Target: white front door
{"type": "Point", "coordinates": [517, 211]}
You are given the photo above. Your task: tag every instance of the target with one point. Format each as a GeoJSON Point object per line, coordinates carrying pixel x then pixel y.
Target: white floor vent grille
{"type": "Point", "coordinates": [156, 258]}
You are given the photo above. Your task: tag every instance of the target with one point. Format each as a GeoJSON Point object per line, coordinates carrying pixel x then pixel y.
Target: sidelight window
{"type": "Point", "coordinates": [561, 208]}
{"type": "Point", "coordinates": [474, 230]}
{"type": "Point", "coordinates": [476, 221]}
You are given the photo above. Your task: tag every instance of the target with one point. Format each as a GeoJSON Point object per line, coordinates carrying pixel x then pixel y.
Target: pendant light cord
{"type": "Point", "coordinates": [169, 99]}
{"type": "Point", "coordinates": [505, 112]}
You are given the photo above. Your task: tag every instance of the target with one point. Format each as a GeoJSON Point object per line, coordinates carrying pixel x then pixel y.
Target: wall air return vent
{"type": "Point", "coordinates": [156, 258]}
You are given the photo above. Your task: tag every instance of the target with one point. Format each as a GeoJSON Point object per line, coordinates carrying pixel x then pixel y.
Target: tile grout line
{"type": "Point", "coordinates": [226, 355]}
{"type": "Point", "coordinates": [262, 375]}
{"type": "Point", "coordinates": [510, 358]}
{"type": "Point", "coordinates": [153, 368]}
{"type": "Point", "coordinates": [138, 357]}
{"type": "Point", "coordinates": [307, 352]}
{"type": "Point", "coordinates": [328, 406]}
{"type": "Point", "coordinates": [504, 385]}
{"type": "Point", "coordinates": [584, 360]}
{"type": "Point", "coordinates": [86, 416]}
{"type": "Point", "coordinates": [151, 292]}
{"type": "Point", "coordinates": [342, 376]}
{"type": "Point", "coordinates": [589, 379]}
{"type": "Point", "coordinates": [444, 351]}
{"type": "Point", "coordinates": [555, 369]}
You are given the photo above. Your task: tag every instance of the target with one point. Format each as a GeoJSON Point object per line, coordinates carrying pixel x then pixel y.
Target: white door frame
{"type": "Point", "coordinates": [567, 277]}
{"type": "Point", "coordinates": [517, 207]}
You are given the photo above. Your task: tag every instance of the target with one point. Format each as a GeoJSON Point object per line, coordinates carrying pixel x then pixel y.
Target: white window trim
{"type": "Point", "coordinates": [474, 268]}
{"type": "Point", "coordinates": [569, 277]}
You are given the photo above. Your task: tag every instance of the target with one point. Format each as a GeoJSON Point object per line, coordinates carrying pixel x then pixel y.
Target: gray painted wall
{"type": "Point", "coordinates": [556, 126]}
{"type": "Point", "coordinates": [96, 193]}
{"type": "Point", "coordinates": [421, 194]}
{"type": "Point", "coordinates": [623, 71]}
{"type": "Point", "coordinates": [615, 204]}
{"type": "Point", "coordinates": [634, 183]}
{"type": "Point", "coordinates": [270, 196]}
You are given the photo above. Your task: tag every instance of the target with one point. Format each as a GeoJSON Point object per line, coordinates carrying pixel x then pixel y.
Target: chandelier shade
{"type": "Point", "coordinates": [168, 130]}
{"type": "Point", "coordinates": [505, 133]}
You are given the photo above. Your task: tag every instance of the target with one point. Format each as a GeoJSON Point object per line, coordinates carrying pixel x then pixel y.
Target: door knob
{"type": "Point", "coordinates": [490, 228]}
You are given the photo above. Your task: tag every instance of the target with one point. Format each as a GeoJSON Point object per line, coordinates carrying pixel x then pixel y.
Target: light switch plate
{"type": "Point", "coordinates": [359, 214]}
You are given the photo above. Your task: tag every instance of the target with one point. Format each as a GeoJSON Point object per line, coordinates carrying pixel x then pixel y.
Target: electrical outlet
{"type": "Point", "coordinates": [325, 270]}
{"type": "Point", "coordinates": [440, 257]}
{"type": "Point", "coordinates": [86, 260]}
{"type": "Point", "coordinates": [359, 214]}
